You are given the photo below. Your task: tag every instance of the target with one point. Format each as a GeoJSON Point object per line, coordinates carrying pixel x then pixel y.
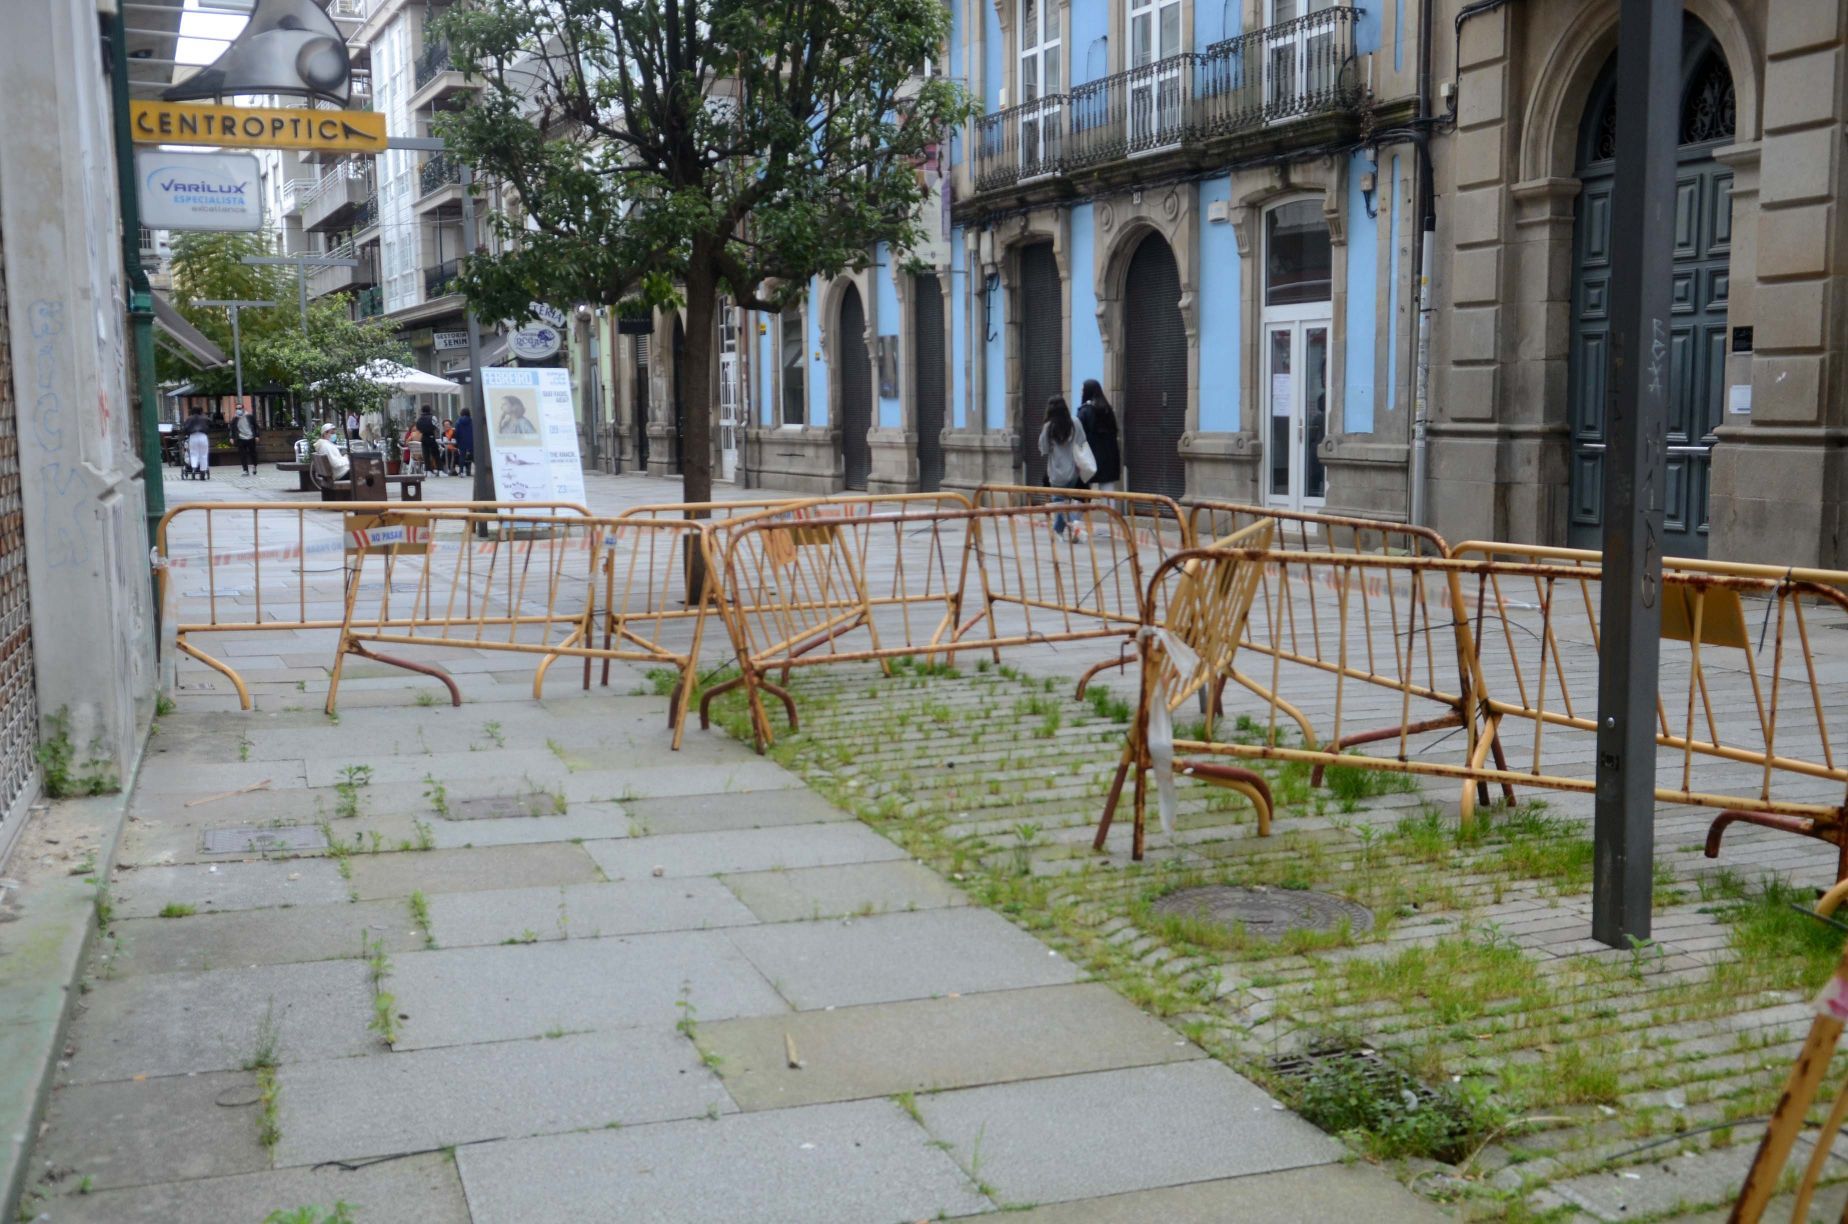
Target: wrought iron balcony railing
{"type": "Point", "coordinates": [439, 172]}
{"type": "Point", "coordinates": [367, 214]}
{"type": "Point", "coordinates": [1268, 77]}
{"type": "Point", "coordinates": [435, 59]}
{"type": "Point", "coordinates": [441, 279]}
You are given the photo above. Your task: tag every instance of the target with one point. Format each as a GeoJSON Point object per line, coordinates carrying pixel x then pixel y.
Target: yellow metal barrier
{"type": "Point", "coordinates": [269, 566]}
{"type": "Point", "coordinates": [796, 591]}
{"type": "Point", "coordinates": [1789, 1118]}
{"type": "Point", "coordinates": [1388, 632]}
{"type": "Point", "coordinates": [525, 585]}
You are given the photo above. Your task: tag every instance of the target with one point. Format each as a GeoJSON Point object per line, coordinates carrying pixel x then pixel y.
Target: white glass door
{"type": "Point", "coordinates": [1154, 73]}
{"type": "Point", "coordinates": [729, 390]}
{"type": "Point", "coordinates": [1041, 82]}
{"type": "Point", "coordinates": [1296, 407]}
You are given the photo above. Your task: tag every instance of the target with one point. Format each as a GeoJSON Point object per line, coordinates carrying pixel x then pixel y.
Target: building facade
{"type": "Point", "coordinates": [1218, 208]}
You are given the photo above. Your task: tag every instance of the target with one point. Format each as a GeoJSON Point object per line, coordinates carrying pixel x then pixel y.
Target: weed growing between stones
{"type": "Point", "coordinates": [1528, 1068]}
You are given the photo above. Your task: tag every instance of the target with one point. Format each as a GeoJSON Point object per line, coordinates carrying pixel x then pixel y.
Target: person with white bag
{"type": "Point", "coordinates": [1069, 462]}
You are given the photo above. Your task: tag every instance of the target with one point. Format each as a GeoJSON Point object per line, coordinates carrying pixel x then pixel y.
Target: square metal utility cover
{"type": "Point", "coordinates": [258, 839]}
{"type": "Point", "coordinates": [499, 807]}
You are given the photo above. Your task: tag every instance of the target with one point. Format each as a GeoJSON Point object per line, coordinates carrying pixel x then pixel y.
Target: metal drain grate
{"type": "Point", "coordinates": [255, 839]}
{"type": "Point", "coordinates": [499, 807]}
{"type": "Point", "coordinates": [1267, 913]}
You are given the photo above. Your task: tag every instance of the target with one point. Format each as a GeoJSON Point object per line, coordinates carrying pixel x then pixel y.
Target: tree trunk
{"type": "Point", "coordinates": [694, 381]}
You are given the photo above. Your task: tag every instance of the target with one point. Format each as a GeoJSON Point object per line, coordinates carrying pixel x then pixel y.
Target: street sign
{"type": "Point", "coordinates": [451, 340]}
{"type": "Point", "coordinates": [257, 127]}
{"type": "Point", "coordinates": [199, 191]}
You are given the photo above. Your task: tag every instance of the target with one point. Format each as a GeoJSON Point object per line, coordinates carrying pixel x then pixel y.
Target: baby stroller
{"type": "Point", "coordinates": [198, 457]}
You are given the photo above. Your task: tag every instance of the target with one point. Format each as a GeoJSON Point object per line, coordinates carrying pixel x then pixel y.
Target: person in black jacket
{"type": "Point", "coordinates": [432, 440]}
{"type": "Point", "coordinates": [1100, 428]}
{"type": "Point", "coordinates": [244, 434]}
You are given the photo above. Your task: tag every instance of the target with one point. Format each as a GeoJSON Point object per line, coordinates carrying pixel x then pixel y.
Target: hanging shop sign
{"type": "Point", "coordinates": [199, 191]}
{"type": "Point", "coordinates": [535, 342]}
{"type": "Point", "coordinates": [257, 127]}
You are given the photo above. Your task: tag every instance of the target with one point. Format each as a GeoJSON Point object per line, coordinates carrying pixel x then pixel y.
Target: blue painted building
{"type": "Point", "coordinates": [1201, 204]}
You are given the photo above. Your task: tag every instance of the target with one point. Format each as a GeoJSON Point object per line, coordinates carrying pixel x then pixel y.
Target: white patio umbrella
{"type": "Point", "coordinates": [405, 380]}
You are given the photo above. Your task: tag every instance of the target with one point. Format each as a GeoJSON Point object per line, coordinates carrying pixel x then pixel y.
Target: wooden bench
{"type": "Point", "coordinates": [410, 487]}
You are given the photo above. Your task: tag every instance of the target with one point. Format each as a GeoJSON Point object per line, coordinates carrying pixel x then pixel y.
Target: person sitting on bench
{"type": "Point", "coordinates": [328, 456]}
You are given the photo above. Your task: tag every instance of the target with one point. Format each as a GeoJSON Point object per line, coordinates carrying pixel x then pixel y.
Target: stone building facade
{"type": "Point", "coordinates": [1214, 208]}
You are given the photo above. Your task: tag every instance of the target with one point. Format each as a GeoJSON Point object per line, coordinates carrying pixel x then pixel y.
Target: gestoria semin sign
{"type": "Point", "coordinates": [257, 127]}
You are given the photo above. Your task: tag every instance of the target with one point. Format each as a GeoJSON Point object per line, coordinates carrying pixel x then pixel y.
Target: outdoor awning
{"type": "Point", "coordinates": [405, 380]}
{"type": "Point", "coordinates": [181, 337]}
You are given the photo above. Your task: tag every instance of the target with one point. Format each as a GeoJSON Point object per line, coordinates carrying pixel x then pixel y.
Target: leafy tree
{"type": "Point", "coordinates": [724, 147]}
{"type": "Point", "coordinates": [207, 265]}
{"type": "Point", "coordinates": [329, 363]}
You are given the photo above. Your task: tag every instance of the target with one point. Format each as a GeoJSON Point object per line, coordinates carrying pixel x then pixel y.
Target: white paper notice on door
{"type": "Point", "coordinates": [1739, 399]}
{"type": "Point", "coordinates": [1280, 395]}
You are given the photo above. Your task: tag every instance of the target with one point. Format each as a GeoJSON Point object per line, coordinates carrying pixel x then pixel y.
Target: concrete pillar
{"type": "Point", "coordinates": [86, 545]}
{"type": "Point", "coordinates": [1778, 474]}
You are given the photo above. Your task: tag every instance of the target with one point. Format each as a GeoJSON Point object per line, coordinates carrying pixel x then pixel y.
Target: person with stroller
{"type": "Point", "coordinates": [198, 431]}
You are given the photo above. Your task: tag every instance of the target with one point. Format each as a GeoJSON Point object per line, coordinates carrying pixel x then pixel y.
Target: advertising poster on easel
{"type": "Point", "coordinates": [532, 435]}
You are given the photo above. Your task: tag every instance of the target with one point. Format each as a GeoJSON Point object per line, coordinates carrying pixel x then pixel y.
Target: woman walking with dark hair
{"type": "Point", "coordinates": [1099, 422]}
{"type": "Point", "coordinates": [1062, 441]}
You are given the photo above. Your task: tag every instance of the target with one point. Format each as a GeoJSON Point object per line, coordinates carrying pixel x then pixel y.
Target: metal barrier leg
{"type": "Point", "coordinates": [426, 669]}
{"type": "Point", "coordinates": [1120, 662]}
{"type": "Point", "coordinates": [1442, 723]}
{"type": "Point", "coordinates": [223, 669]}
{"type": "Point", "coordinates": [1110, 804]}
{"type": "Point", "coordinates": [1761, 1181]}
{"type": "Point", "coordinates": [1234, 778]}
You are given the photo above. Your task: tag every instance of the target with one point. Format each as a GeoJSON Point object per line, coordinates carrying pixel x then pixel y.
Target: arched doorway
{"type": "Point", "coordinates": [1154, 405]}
{"type": "Point", "coordinates": [1697, 328]}
{"type": "Point", "coordinates": [680, 399]}
{"type": "Point", "coordinates": [927, 387]}
{"type": "Point", "coordinates": [1039, 304]}
{"type": "Point", "coordinates": [856, 377]}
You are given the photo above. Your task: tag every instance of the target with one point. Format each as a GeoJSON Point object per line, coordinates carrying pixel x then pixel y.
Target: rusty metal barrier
{"type": "Point", "coordinates": [861, 503]}
{"type": "Point", "coordinates": [269, 566]}
{"type": "Point", "coordinates": [796, 592]}
{"type": "Point", "coordinates": [1789, 1119]}
{"type": "Point", "coordinates": [525, 585]}
{"type": "Point", "coordinates": [1310, 531]}
{"type": "Point", "coordinates": [1155, 521]}
{"type": "Point", "coordinates": [1749, 607]}
{"type": "Point", "coordinates": [1387, 633]}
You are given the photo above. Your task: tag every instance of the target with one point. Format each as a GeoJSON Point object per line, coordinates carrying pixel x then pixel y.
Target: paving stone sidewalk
{"type": "Point", "coordinates": [698, 992]}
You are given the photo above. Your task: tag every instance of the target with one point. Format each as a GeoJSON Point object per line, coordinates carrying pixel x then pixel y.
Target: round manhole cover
{"type": "Point", "coordinates": [1265, 912]}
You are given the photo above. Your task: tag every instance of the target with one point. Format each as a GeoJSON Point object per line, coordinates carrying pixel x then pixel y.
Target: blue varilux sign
{"type": "Point", "coordinates": [199, 191]}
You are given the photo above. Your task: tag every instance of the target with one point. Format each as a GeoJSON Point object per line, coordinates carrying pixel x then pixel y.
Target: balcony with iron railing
{"type": "Point", "coordinates": [437, 77]}
{"type": "Point", "coordinates": [1256, 86]}
{"type": "Point", "coordinates": [331, 202]}
{"type": "Point", "coordinates": [369, 303]}
{"type": "Point", "coordinates": [334, 278]}
{"type": "Point", "coordinates": [366, 216]}
{"type": "Point", "coordinates": [439, 184]}
{"type": "Point", "coordinates": [440, 280]}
